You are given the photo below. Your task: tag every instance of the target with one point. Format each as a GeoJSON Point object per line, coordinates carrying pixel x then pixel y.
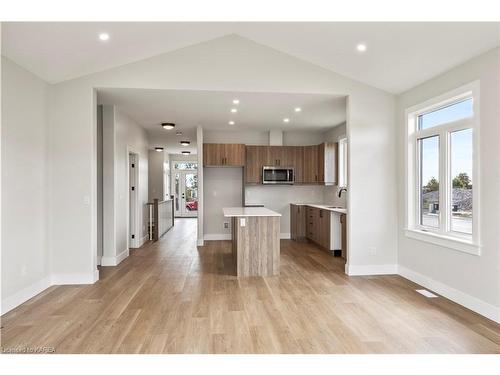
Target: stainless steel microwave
{"type": "Point", "coordinates": [278, 175]}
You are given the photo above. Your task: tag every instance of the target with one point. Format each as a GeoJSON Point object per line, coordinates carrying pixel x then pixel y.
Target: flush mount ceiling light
{"type": "Point", "coordinates": [178, 133]}
{"type": "Point", "coordinates": [103, 37]}
{"type": "Point", "coordinates": [297, 109]}
{"type": "Point", "coordinates": [159, 149]}
{"type": "Point", "coordinates": [231, 122]}
{"type": "Point", "coordinates": [185, 152]}
{"type": "Point", "coordinates": [236, 101]}
{"type": "Point", "coordinates": [234, 110]}
{"type": "Point", "coordinates": [361, 47]}
{"type": "Point", "coordinates": [167, 125]}
{"type": "Point", "coordinates": [185, 143]}
{"type": "Point", "coordinates": [286, 120]}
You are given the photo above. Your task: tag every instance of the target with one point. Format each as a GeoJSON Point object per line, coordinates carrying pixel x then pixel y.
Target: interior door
{"type": "Point", "coordinates": [186, 193]}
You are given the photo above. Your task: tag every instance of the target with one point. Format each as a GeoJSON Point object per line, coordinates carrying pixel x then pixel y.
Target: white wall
{"type": "Point", "coordinates": [25, 256]}
{"type": "Point", "coordinates": [156, 161]}
{"type": "Point", "coordinates": [122, 135]}
{"type": "Point", "coordinates": [222, 188]}
{"type": "Point", "coordinates": [230, 63]}
{"type": "Point", "coordinates": [469, 279]}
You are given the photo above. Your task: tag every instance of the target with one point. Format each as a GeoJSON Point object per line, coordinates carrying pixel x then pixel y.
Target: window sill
{"type": "Point", "coordinates": [446, 241]}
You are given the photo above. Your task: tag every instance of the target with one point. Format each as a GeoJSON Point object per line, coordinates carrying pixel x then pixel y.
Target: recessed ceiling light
{"type": "Point", "coordinates": [297, 109]}
{"type": "Point", "coordinates": [361, 47]}
{"type": "Point", "coordinates": [236, 101]}
{"type": "Point", "coordinates": [159, 149]}
{"type": "Point", "coordinates": [231, 122]}
{"type": "Point", "coordinates": [234, 110]}
{"type": "Point", "coordinates": [103, 37]}
{"type": "Point", "coordinates": [185, 152]}
{"type": "Point", "coordinates": [168, 125]}
{"type": "Point", "coordinates": [178, 133]}
{"type": "Point", "coordinates": [185, 143]}
{"type": "Point", "coordinates": [286, 120]}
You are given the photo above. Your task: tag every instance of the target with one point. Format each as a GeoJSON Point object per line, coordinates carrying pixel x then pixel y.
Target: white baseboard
{"type": "Point", "coordinates": [372, 269]}
{"type": "Point", "coordinates": [200, 242]}
{"type": "Point", "coordinates": [217, 237]}
{"type": "Point", "coordinates": [455, 295]}
{"type": "Point", "coordinates": [143, 240]}
{"type": "Point", "coordinates": [74, 278]}
{"type": "Point", "coordinates": [114, 260]}
{"type": "Point", "coordinates": [227, 236]}
{"type": "Point", "coordinates": [25, 294]}
{"type": "Point", "coordinates": [36, 288]}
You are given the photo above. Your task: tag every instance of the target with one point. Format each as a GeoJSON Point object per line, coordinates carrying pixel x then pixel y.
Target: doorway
{"type": "Point", "coordinates": [185, 188]}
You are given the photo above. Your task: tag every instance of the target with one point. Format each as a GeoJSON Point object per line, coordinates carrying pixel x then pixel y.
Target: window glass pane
{"type": "Point", "coordinates": [429, 177]}
{"type": "Point", "coordinates": [461, 175]}
{"type": "Point", "coordinates": [186, 165]}
{"type": "Point", "coordinates": [452, 112]}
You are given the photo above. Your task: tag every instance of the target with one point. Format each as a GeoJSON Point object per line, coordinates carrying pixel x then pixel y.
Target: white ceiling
{"type": "Point", "coordinates": [399, 55]}
{"type": "Point", "coordinates": [211, 110]}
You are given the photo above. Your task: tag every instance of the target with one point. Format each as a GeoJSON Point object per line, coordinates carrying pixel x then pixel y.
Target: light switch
{"type": "Point", "coordinates": [243, 222]}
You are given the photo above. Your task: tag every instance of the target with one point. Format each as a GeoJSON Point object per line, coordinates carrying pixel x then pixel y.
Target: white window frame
{"type": "Point", "coordinates": [443, 235]}
{"type": "Point", "coordinates": [342, 164]}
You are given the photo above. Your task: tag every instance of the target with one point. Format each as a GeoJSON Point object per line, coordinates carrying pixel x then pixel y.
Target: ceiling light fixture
{"type": "Point", "coordinates": [234, 110]}
{"type": "Point", "coordinates": [103, 37]}
{"type": "Point", "coordinates": [236, 101]}
{"type": "Point", "coordinates": [178, 133]}
{"type": "Point", "coordinates": [159, 149]}
{"type": "Point", "coordinates": [185, 143]}
{"type": "Point", "coordinates": [185, 152]}
{"type": "Point", "coordinates": [286, 120]}
{"type": "Point", "coordinates": [361, 47]}
{"type": "Point", "coordinates": [231, 122]}
{"type": "Point", "coordinates": [167, 125]}
{"type": "Point", "coordinates": [297, 109]}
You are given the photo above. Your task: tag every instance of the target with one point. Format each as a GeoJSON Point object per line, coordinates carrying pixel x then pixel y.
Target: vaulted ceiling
{"type": "Point", "coordinates": [399, 56]}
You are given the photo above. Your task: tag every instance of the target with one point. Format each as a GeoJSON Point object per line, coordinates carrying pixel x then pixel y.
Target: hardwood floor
{"type": "Point", "coordinates": [171, 297]}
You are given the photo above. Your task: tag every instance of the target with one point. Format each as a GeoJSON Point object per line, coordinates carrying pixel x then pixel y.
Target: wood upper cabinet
{"type": "Point", "coordinates": [256, 158]}
{"type": "Point", "coordinates": [311, 166]}
{"type": "Point", "coordinates": [219, 154]}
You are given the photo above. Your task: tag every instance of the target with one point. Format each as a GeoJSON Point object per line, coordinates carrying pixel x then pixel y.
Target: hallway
{"type": "Point", "coordinates": [172, 297]}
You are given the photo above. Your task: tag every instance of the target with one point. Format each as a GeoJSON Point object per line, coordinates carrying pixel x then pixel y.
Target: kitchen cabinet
{"type": "Point", "coordinates": [226, 155]}
{"type": "Point", "coordinates": [343, 223]}
{"type": "Point", "coordinates": [318, 226]}
{"type": "Point", "coordinates": [256, 158]}
{"type": "Point", "coordinates": [328, 169]}
{"type": "Point", "coordinates": [298, 222]}
{"type": "Point", "coordinates": [311, 164]}
{"type": "Point", "coordinates": [316, 164]}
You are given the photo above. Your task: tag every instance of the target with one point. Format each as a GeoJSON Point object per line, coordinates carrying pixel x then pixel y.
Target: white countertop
{"type": "Point", "coordinates": [248, 211]}
{"type": "Point", "coordinates": [329, 207]}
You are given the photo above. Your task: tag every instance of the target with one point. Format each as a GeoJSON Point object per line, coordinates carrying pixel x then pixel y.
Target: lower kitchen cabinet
{"type": "Point", "coordinates": [343, 223]}
{"type": "Point", "coordinates": [318, 226]}
{"type": "Point", "coordinates": [298, 222]}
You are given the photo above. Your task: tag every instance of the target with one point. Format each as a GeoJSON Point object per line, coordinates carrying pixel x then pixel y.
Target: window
{"type": "Point", "coordinates": [342, 163]}
{"type": "Point", "coordinates": [442, 192]}
{"type": "Point", "coordinates": [186, 165]}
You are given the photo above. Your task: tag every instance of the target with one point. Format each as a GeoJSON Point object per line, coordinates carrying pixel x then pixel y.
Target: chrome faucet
{"type": "Point", "coordinates": [341, 190]}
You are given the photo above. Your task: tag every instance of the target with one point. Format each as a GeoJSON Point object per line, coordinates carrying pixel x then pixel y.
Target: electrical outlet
{"type": "Point", "coordinates": [372, 250]}
{"type": "Point", "coordinates": [243, 222]}
{"type": "Point", "coordinates": [225, 225]}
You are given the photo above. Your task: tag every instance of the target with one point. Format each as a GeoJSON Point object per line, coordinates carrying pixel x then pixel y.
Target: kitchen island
{"type": "Point", "coordinates": [255, 235]}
